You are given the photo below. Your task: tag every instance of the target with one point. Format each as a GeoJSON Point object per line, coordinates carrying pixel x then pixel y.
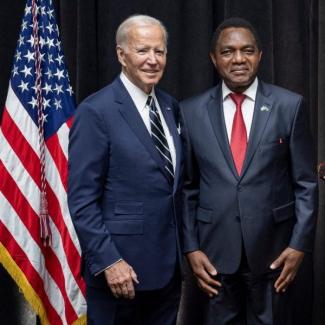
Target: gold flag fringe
{"type": "Point", "coordinates": [29, 293]}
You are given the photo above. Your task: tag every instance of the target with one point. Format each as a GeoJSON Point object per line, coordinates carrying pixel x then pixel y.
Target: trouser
{"type": "Point", "coordinates": [154, 307]}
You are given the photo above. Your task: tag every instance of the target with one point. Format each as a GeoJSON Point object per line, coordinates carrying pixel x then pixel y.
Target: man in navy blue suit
{"type": "Point", "coordinates": [249, 186]}
{"type": "Point", "coordinates": [124, 176]}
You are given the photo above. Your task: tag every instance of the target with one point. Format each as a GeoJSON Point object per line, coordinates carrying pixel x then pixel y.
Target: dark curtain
{"type": "Point", "coordinates": [293, 37]}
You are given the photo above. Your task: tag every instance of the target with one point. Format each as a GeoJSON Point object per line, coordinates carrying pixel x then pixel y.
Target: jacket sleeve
{"type": "Point", "coordinates": [190, 191]}
{"type": "Point", "coordinates": [88, 166]}
{"type": "Point", "coordinates": [305, 181]}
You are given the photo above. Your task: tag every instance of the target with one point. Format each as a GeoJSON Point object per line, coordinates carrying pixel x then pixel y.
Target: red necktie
{"type": "Point", "coordinates": [238, 142]}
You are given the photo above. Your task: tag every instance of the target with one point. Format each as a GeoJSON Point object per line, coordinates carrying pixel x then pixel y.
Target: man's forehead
{"type": "Point", "coordinates": [236, 35]}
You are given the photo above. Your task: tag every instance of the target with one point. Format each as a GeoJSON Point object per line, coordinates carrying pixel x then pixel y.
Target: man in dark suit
{"type": "Point", "coordinates": [249, 186]}
{"type": "Point", "coordinates": [124, 174]}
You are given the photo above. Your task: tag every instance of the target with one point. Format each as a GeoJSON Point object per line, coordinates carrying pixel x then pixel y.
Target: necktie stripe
{"type": "Point", "coordinates": [165, 145]}
{"type": "Point", "coordinates": [161, 131]}
{"type": "Point", "coordinates": [168, 160]}
{"type": "Point", "coordinates": [159, 138]}
{"type": "Point", "coordinates": [171, 173]}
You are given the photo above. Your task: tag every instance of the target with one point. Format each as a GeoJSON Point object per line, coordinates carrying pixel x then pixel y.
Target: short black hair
{"type": "Point", "coordinates": [236, 22]}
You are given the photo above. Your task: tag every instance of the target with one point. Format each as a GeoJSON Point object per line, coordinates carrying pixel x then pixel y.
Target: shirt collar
{"type": "Point", "coordinates": [138, 96]}
{"type": "Point", "coordinates": [250, 92]}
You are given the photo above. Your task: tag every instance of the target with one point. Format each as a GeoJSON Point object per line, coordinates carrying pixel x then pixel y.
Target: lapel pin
{"type": "Point", "coordinates": [168, 109]}
{"type": "Point", "coordinates": [264, 108]}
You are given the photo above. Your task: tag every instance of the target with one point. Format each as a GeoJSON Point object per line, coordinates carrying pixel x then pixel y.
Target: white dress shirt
{"type": "Point", "coordinates": [140, 98]}
{"type": "Point", "coordinates": [229, 107]}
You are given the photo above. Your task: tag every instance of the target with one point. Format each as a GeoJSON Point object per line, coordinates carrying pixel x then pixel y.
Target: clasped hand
{"type": "Point", "coordinates": [120, 278]}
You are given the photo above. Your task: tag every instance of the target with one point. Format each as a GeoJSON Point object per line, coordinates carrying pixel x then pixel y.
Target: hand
{"type": "Point", "coordinates": [204, 272]}
{"type": "Point", "coordinates": [290, 259]}
{"type": "Point", "coordinates": [120, 277]}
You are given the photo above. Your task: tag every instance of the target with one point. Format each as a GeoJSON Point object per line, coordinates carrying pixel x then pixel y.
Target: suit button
{"type": "Point", "coordinates": [239, 188]}
{"type": "Point", "coordinates": [237, 218]}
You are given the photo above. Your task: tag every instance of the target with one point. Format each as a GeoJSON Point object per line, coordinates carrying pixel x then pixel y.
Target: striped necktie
{"type": "Point", "coordinates": [159, 138]}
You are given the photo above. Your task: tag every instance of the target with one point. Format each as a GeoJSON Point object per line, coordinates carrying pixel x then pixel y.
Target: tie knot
{"type": "Point", "coordinates": [237, 98]}
{"type": "Point", "coordinates": [150, 101]}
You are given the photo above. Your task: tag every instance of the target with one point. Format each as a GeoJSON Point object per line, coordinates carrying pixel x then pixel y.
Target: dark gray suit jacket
{"type": "Point", "coordinates": [272, 204]}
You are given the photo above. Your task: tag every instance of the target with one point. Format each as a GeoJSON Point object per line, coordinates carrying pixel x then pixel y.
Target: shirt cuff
{"type": "Point", "coordinates": [107, 267]}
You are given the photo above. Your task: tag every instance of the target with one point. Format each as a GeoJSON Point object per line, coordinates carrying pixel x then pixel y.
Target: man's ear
{"type": "Point", "coordinates": [120, 54]}
{"type": "Point", "coordinates": [260, 56]}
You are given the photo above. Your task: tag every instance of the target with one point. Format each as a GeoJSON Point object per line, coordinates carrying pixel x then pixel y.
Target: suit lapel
{"type": "Point", "coordinates": [262, 112]}
{"type": "Point", "coordinates": [171, 122]}
{"type": "Point", "coordinates": [215, 109]}
{"type": "Point", "coordinates": [135, 122]}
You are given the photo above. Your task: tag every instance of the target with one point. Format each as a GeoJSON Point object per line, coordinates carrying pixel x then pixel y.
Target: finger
{"type": "Point", "coordinates": [278, 262]}
{"type": "Point", "coordinates": [113, 290]}
{"type": "Point", "coordinates": [118, 290]}
{"type": "Point", "coordinates": [207, 278]}
{"type": "Point", "coordinates": [209, 267]}
{"type": "Point", "coordinates": [288, 280]}
{"type": "Point", "coordinates": [280, 283]}
{"type": "Point", "coordinates": [124, 289]}
{"type": "Point", "coordinates": [211, 291]}
{"type": "Point", "coordinates": [134, 276]}
{"type": "Point", "coordinates": [130, 290]}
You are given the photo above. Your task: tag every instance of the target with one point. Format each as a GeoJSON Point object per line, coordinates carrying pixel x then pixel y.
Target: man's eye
{"type": "Point", "coordinates": [160, 52]}
{"type": "Point", "coordinates": [249, 51]}
{"type": "Point", "coordinates": [226, 52]}
{"type": "Point", "coordinates": [142, 51]}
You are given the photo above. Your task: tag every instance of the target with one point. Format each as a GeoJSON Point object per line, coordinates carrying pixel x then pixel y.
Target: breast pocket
{"type": "Point", "coordinates": [275, 148]}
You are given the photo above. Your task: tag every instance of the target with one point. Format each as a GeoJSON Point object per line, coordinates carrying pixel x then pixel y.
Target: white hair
{"type": "Point", "coordinates": [123, 30]}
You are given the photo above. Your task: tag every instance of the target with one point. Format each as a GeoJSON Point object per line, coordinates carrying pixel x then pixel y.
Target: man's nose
{"type": "Point", "coordinates": [238, 57]}
{"type": "Point", "coordinates": [152, 58]}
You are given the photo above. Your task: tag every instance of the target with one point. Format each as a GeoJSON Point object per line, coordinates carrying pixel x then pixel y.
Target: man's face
{"type": "Point", "coordinates": [236, 58]}
{"type": "Point", "coordinates": [143, 58]}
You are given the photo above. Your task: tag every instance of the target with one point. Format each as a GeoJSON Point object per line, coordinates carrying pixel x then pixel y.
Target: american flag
{"type": "Point", "coordinates": [33, 158]}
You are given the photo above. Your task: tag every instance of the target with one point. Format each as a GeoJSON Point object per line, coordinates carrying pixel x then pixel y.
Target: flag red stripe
{"type": "Point", "coordinates": [31, 221]}
{"type": "Point", "coordinates": [21, 147]}
{"type": "Point", "coordinates": [25, 153]}
{"type": "Point", "coordinates": [59, 159]}
{"type": "Point", "coordinates": [27, 156]}
{"type": "Point", "coordinates": [19, 256]}
{"type": "Point", "coordinates": [69, 122]}
{"type": "Point", "coordinates": [68, 245]}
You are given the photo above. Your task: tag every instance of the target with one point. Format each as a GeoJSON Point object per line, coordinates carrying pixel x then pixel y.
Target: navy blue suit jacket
{"type": "Point", "coordinates": [121, 202]}
{"type": "Point", "coordinates": [272, 204]}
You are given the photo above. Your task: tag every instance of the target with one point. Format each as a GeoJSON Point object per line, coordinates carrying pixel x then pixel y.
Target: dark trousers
{"type": "Point", "coordinates": [249, 299]}
{"type": "Point", "coordinates": [155, 307]}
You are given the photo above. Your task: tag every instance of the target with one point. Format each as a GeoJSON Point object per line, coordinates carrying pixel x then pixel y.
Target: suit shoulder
{"type": "Point", "coordinates": [198, 100]}
{"type": "Point", "coordinates": [99, 97]}
{"type": "Point", "coordinates": [280, 92]}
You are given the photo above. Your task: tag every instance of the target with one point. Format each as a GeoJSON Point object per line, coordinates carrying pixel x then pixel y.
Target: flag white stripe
{"type": "Point", "coordinates": [22, 236]}
{"type": "Point", "coordinates": [54, 180]}
{"type": "Point", "coordinates": [26, 125]}
{"type": "Point", "coordinates": [29, 129]}
{"type": "Point", "coordinates": [31, 192]}
{"type": "Point", "coordinates": [63, 136]}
